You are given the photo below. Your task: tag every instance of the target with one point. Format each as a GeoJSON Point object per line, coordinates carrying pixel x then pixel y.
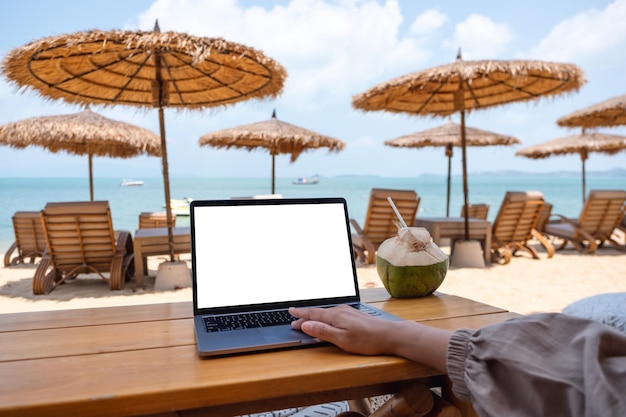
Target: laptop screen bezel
{"type": "Point", "coordinates": [274, 305]}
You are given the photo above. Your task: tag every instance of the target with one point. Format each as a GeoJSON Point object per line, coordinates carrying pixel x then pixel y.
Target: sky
{"type": "Point", "coordinates": [333, 50]}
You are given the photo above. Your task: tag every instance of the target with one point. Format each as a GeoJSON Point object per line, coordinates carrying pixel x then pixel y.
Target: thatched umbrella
{"type": "Point", "coordinates": [582, 144]}
{"type": "Point", "coordinates": [464, 86]}
{"type": "Point", "coordinates": [145, 70]}
{"type": "Point", "coordinates": [276, 136]}
{"type": "Point", "coordinates": [84, 133]}
{"type": "Point", "coordinates": [611, 112]}
{"type": "Point", "coordinates": [448, 136]}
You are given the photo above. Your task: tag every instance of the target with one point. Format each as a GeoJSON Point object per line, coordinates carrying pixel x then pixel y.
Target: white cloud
{"type": "Point", "coordinates": [585, 36]}
{"type": "Point", "coordinates": [479, 37]}
{"type": "Point", "coordinates": [428, 22]}
{"type": "Point", "coordinates": [331, 49]}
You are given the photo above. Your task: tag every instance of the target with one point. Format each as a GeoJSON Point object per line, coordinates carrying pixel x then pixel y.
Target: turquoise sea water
{"type": "Point", "coordinates": [31, 194]}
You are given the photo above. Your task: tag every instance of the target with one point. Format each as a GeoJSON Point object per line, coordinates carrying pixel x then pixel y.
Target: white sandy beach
{"type": "Point", "coordinates": [524, 285]}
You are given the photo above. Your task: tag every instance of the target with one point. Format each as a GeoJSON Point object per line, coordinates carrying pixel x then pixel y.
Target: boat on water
{"type": "Point", "coordinates": [307, 180]}
{"type": "Point", "coordinates": [180, 207]}
{"type": "Point", "coordinates": [131, 183]}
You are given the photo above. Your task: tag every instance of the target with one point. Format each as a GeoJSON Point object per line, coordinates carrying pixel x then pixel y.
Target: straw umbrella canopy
{"type": "Point", "coordinates": [464, 86]}
{"type": "Point", "coordinates": [145, 70]}
{"type": "Point", "coordinates": [84, 133]}
{"type": "Point", "coordinates": [448, 136]}
{"type": "Point", "coordinates": [276, 136]}
{"type": "Point", "coordinates": [611, 112]}
{"type": "Point", "coordinates": [582, 144]}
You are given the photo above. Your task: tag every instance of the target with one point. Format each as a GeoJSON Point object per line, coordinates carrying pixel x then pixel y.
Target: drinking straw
{"type": "Point", "coordinates": [395, 209]}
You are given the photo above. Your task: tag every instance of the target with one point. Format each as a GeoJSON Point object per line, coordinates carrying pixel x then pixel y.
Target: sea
{"type": "Point", "coordinates": [562, 189]}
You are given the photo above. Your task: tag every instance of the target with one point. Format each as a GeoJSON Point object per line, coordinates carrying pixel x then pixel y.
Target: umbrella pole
{"type": "Point", "coordinates": [449, 155]}
{"type": "Point", "coordinates": [465, 189]}
{"type": "Point", "coordinates": [160, 96]}
{"type": "Point", "coordinates": [90, 177]}
{"type": "Point", "coordinates": [166, 184]}
{"type": "Point", "coordinates": [273, 171]}
{"type": "Point", "coordinates": [583, 158]}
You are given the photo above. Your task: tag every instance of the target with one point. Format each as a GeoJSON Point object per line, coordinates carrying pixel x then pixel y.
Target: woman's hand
{"type": "Point", "coordinates": [344, 326]}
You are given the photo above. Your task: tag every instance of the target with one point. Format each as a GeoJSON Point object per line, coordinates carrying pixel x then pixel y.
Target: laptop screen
{"type": "Point", "coordinates": [259, 252]}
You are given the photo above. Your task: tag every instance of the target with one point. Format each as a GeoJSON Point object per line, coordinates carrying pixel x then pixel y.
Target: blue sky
{"type": "Point", "coordinates": [333, 50]}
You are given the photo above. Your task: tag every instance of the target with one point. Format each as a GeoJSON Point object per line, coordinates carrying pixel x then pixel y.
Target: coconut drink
{"type": "Point", "coordinates": [411, 264]}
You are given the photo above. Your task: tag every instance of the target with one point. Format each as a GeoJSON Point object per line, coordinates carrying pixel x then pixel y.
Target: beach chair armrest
{"type": "Point", "coordinates": [122, 261]}
{"type": "Point", "coordinates": [592, 240]}
{"type": "Point", "coordinates": [44, 281]}
{"type": "Point", "coordinates": [357, 227]}
{"type": "Point", "coordinates": [362, 239]}
{"type": "Point", "coordinates": [7, 255]}
{"type": "Point", "coordinates": [362, 243]}
{"type": "Point", "coordinates": [544, 242]}
{"type": "Point", "coordinates": [562, 218]}
{"type": "Point", "coordinates": [123, 242]}
{"type": "Point", "coordinates": [558, 218]}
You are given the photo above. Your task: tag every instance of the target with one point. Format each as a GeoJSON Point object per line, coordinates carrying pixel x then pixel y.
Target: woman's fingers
{"type": "Point", "coordinates": [343, 326]}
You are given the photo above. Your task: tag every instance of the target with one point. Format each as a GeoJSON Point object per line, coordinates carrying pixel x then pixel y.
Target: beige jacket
{"type": "Point", "coordinates": [541, 365]}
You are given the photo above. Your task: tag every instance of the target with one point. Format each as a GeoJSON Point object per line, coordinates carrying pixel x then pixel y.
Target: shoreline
{"type": "Point", "coordinates": [524, 286]}
{"type": "Point", "coordinates": [126, 203]}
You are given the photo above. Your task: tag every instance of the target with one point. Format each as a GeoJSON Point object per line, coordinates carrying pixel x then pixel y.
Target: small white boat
{"type": "Point", "coordinates": [307, 180]}
{"type": "Point", "coordinates": [129, 183]}
{"type": "Point", "coordinates": [180, 207]}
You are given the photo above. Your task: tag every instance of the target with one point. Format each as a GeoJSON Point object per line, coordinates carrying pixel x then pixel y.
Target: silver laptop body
{"type": "Point", "coordinates": [256, 257]}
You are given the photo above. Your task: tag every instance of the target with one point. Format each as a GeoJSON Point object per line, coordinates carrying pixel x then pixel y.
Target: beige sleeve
{"type": "Point", "coordinates": [540, 365]}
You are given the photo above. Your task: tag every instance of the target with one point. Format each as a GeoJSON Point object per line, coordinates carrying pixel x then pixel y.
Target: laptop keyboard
{"type": "Point", "coordinates": [240, 321]}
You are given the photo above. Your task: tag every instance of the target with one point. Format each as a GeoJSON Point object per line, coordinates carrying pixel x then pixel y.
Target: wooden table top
{"type": "Point", "coordinates": [142, 359]}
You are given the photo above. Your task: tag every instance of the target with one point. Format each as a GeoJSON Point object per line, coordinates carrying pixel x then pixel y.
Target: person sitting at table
{"type": "Point", "coordinates": [547, 364]}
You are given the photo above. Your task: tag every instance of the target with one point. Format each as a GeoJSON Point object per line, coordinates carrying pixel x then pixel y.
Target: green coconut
{"type": "Point", "coordinates": [411, 264]}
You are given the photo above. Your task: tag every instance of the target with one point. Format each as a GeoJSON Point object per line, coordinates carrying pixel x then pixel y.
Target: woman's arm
{"type": "Point", "coordinates": [538, 365]}
{"type": "Point", "coordinates": [356, 332]}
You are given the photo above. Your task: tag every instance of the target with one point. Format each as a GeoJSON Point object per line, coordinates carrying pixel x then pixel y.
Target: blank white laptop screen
{"type": "Point", "coordinates": [256, 254]}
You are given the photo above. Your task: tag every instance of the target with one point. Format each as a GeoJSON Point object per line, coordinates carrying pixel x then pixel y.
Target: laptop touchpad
{"type": "Point", "coordinates": [281, 334]}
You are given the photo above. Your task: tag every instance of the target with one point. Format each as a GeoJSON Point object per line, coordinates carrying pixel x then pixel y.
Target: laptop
{"type": "Point", "coordinates": [254, 258]}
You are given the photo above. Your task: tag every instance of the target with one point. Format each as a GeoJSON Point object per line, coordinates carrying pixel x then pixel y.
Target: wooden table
{"type": "Point", "coordinates": [454, 228]}
{"type": "Point", "coordinates": [142, 359]}
{"type": "Point", "coordinates": [153, 241]}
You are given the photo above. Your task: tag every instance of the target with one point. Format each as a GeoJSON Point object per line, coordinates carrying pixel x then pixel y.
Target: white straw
{"type": "Point", "coordinates": [395, 209]}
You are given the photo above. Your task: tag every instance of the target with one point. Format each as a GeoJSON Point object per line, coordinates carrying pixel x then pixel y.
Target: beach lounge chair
{"type": "Point", "coordinates": [152, 219]}
{"type": "Point", "coordinates": [380, 220]}
{"type": "Point", "coordinates": [544, 218]}
{"type": "Point", "coordinates": [621, 228]}
{"type": "Point", "coordinates": [600, 216]}
{"type": "Point", "coordinates": [80, 240]}
{"type": "Point", "coordinates": [30, 241]}
{"type": "Point", "coordinates": [476, 211]}
{"type": "Point", "coordinates": [514, 225]}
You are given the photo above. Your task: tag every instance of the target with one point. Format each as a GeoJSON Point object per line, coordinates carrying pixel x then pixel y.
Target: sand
{"type": "Point", "coordinates": [525, 285]}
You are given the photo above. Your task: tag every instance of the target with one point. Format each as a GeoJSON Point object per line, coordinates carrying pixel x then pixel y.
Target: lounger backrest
{"type": "Point", "coordinates": [476, 211]}
{"type": "Point", "coordinates": [544, 216]}
{"type": "Point", "coordinates": [379, 220]}
{"type": "Point", "coordinates": [517, 216]}
{"type": "Point", "coordinates": [602, 212]}
{"type": "Point", "coordinates": [29, 234]}
{"type": "Point", "coordinates": [154, 219]}
{"type": "Point", "coordinates": [79, 234]}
